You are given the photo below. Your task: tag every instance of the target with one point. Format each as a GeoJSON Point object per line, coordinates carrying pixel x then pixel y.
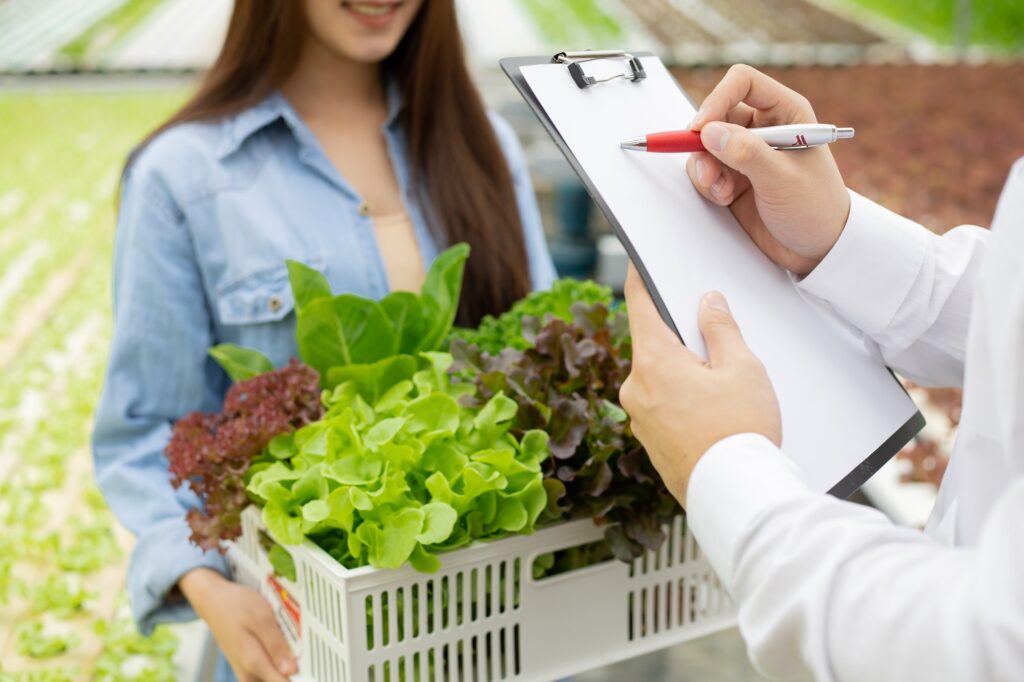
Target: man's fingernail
{"type": "Point", "coordinates": [715, 136]}
{"type": "Point", "coordinates": [715, 300]}
{"type": "Point", "coordinates": [701, 167]}
{"type": "Point", "coordinates": [717, 187]}
{"type": "Point", "coordinates": [286, 666]}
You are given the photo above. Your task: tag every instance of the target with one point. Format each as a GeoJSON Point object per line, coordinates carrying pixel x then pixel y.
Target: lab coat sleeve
{"type": "Point", "coordinates": [831, 590]}
{"type": "Point", "coordinates": [906, 289]}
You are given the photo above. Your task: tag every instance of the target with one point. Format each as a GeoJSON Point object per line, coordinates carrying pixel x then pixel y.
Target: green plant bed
{"type": "Point", "coordinates": [62, 610]}
{"type": "Point", "coordinates": [995, 23]}
{"type": "Point", "coordinates": [572, 22]}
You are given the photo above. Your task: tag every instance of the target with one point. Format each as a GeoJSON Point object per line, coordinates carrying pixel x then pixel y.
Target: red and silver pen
{"type": "Point", "coordinates": [799, 136]}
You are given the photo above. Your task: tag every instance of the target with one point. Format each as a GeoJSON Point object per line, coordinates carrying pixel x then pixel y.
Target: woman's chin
{"type": "Point", "coordinates": [360, 30]}
{"type": "Point", "coordinates": [367, 53]}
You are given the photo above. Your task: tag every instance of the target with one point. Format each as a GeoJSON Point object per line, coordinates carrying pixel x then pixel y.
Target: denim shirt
{"type": "Point", "coordinates": [210, 211]}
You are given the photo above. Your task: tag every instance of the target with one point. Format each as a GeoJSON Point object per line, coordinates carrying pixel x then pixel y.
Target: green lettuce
{"type": "Point", "coordinates": [398, 469]}
{"type": "Point", "coordinates": [567, 383]}
{"type": "Point", "coordinates": [344, 330]}
{"type": "Point", "coordinates": [506, 331]}
{"type": "Point", "coordinates": [241, 363]}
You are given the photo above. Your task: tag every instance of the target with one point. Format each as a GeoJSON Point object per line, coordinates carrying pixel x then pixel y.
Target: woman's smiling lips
{"type": "Point", "coordinates": [372, 14]}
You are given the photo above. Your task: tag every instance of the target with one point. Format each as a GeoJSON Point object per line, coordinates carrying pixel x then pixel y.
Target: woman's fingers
{"type": "Point", "coordinates": [746, 85]}
{"type": "Point", "coordinates": [257, 665]}
{"type": "Point", "coordinates": [264, 626]}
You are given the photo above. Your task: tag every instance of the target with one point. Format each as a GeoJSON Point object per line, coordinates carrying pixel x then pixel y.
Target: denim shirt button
{"type": "Point", "coordinates": [364, 209]}
{"type": "Point", "coordinates": [274, 303]}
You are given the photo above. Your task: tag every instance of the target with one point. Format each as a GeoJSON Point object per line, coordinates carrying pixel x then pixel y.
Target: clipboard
{"type": "Point", "coordinates": [635, 75]}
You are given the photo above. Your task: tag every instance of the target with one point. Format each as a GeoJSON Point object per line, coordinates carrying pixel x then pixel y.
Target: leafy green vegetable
{"type": "Point", "coordinates": [412, 456]}
{"type": "Point", "coordinates": [442, 286]}
{"type": "Point", "coordinates": [35, 643]}
{"type": "Point", "coordinates": [345, 330]}
{"type": "Point", "coordinates": [308, 284]}
{"type": "Point", "coordinates": [63, 674]}
{"type": "Point", "coordinates": [240, 363]}
{"type": "Point", "coordinates": [282, 562]}
{"type": "Point", "coordinates": [63, 596]}
{"type": "Point", "coordinates": [211, 452]}
{"type": "Point", "coordinates": [506, 331]}
{"type": "Point", "coordinates": [128, 656]}
{"type": "Point", "coordinates": [575, 22]}
{"type": "Point", "coordinates": [567, 384]}
{"type": "Point", "coordinates": [398, 470]}
{"type": "Point", "coordinates": [90, 547]}
{"type": "Point", "coordinates": [9, 583]}
{"type": "Point", "coordinates": [59, 369]}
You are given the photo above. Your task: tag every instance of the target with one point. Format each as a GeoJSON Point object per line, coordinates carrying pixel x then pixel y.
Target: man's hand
{"type": "Point", "coordinates": [793, 204]}
{"type": "Point", "coordinates": [681, 405]}
{"type": "Point", "coordinates": [243, 624]}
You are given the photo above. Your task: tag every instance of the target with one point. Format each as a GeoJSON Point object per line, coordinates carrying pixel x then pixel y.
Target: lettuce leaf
{"type": "Point", "coordinates": [213, 453]}
{"type": "Point", "coordinates": [346, 330]}
{"type": "Point", "coordinates": [399, 469]}
{"type": "Point", "coordinates": [506, 331]}
{"type": "Point", "coordinates": [566, 383]}
{"type": "Point", "coordinates": [241, 363]}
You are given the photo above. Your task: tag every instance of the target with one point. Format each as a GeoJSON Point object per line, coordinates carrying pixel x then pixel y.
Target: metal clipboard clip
{"type": "Point", "coordinates": [575, 61]}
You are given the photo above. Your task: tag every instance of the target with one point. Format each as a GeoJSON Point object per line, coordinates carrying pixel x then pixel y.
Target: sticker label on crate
{"type": "Point", "coordinates": [286, 608]}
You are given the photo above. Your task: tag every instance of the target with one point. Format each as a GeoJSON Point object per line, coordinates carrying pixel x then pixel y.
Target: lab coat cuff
{"type": "Point", "coordinates": [872, 267]}
{"type": "Point", "coordinates": [161, 557]}
{"type": "Point", "coordinates": [738, 479]}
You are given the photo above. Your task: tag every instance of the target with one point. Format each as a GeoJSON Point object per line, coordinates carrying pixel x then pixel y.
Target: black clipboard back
{"type": "Point", "coordinates": [512, 66]}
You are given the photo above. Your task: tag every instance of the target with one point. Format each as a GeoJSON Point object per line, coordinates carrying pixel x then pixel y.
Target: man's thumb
{"type": "Point", "coordinates": [721, 333]}
{"type": "Point", "coordinates": [740, 149]}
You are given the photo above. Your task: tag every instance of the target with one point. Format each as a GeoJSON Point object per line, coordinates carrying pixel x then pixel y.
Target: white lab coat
{"type": "Point", "coordinates": [834, 591]}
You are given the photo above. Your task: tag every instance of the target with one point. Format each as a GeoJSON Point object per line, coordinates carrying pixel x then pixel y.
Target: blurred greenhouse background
{"type": "Point", "coordinates": [81, 81]}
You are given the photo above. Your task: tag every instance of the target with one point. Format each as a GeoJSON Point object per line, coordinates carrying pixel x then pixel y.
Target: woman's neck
{"type": "Point", "coordinates": [324, 84]}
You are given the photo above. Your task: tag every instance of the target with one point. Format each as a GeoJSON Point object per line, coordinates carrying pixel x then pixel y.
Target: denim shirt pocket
{"type": "Point", "coordinates": [261, 297]}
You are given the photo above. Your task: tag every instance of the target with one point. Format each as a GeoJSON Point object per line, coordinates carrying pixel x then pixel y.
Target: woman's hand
{"type": "Point", "coordinates": [793, 204]}
{"type": "Point", "coordinates": [243, 624]}
{"type": "Point", "coordinates": [681, 405]}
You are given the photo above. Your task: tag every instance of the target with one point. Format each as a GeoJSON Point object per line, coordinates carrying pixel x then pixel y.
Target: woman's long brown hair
{"type": "Point", "coordinates": [459, 172]}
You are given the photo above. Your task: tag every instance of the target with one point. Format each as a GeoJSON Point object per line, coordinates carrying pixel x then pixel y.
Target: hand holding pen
{"type": "Point", "coordinates": [793, 205]}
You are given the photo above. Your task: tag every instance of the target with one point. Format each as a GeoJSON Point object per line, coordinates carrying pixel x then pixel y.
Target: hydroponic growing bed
{"type": "Point", "coordinates": [63, 611]}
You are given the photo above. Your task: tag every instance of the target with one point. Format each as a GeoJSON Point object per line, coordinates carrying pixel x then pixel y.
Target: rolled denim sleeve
{"type": "Point", "coordinates": [158, 371]}
{"type": "Point", "coordinates": [542, 268]}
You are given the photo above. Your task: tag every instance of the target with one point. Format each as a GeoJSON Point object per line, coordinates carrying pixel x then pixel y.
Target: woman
{"type": "Point", "coordinates": [346, 135]}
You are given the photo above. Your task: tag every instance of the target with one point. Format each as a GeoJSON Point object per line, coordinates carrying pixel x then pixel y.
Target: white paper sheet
{"type": "Point", "coordinates": [838, 402]}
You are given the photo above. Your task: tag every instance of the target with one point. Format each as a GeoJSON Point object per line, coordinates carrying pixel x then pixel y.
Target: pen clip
{"type": "Point", "coordinates": [800, 146]}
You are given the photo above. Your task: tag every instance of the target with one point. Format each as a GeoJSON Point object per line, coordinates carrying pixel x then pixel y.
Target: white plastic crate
{"type": "Point", "coordinates": [483, 617]}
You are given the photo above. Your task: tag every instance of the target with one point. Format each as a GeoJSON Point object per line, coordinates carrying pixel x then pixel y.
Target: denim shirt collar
{"type": "Point", "coordinates": [277, 107]}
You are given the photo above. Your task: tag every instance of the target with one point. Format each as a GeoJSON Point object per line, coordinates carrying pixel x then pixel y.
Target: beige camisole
{"type": "Point", "coordinates": [400, 251]}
